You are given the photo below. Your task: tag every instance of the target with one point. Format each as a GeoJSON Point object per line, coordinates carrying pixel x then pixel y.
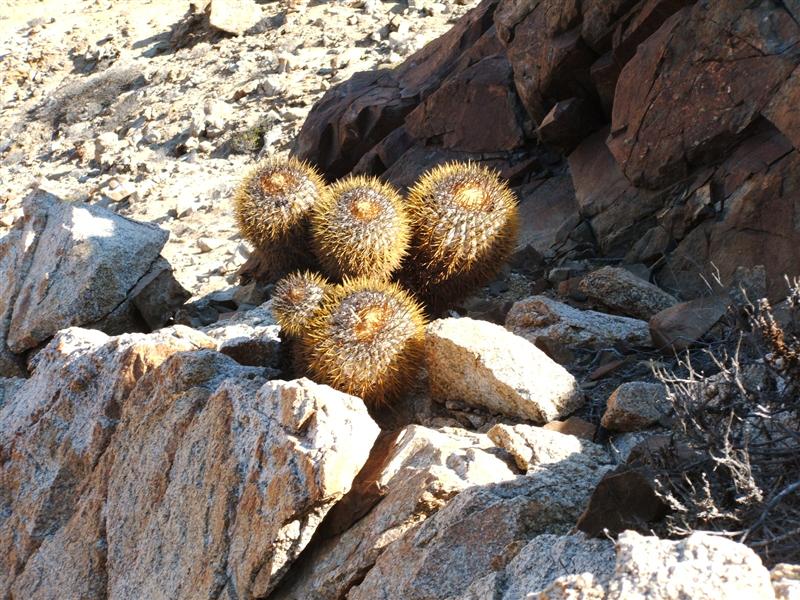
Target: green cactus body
{"type": "Point", "coordinates": [366, 339]}
{"type": "Point", "coordinates": [360, 229]}
{"type": "Point", "coordinates": [272, 206]}
{"type": "Point", "coordinates": [465, 226]}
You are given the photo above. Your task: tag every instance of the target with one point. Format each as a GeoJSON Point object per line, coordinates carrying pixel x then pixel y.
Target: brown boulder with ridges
{"type": "Point", "coordinates": [695, 86]}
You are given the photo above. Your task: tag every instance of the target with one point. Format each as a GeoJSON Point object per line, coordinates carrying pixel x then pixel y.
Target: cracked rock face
{"type": "Point", "coordinates": [192, 478]}
{"type": "Point", "coordinates": [484, 527]}
{"type": "Point", "coordinates": [413, 475]}
{"type": "Point", "coordinates": [55, 427]}
{"type": "Point", "coordinates": [69, 264]}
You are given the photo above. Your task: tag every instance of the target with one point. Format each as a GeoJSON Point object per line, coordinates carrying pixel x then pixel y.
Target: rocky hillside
{"type": "Point", "coordinates": [614, 417]}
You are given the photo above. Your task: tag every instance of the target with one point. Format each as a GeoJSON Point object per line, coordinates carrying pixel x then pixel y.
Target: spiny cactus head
{"type": "Point", "coordinates": [275, 199]}
{"type": "Point", "coordinates": [366, 339]}
{"type": "Point", "coordinates": [462, 214]}
{"type": "Point", "coordinates": [360, 229]}
{"type": "Point", "coordinates": [295, 300]}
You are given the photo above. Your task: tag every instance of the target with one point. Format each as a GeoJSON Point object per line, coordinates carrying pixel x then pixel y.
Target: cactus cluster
{"type": "Point", "coordinates": [388, 260]}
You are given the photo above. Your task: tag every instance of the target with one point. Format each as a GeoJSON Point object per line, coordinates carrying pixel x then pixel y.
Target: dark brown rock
{"type": "Point", "coordinates": [567, 123]}
{"type": "Point", "coordinates": [624, 499]}
{"type": "Point", "coordinates": [550, 58]}
{"type": "Point", "coordinates": [756, 226]}
{"type": "Point", "coordinates": [545, 206]}
{"type": "Point", "coordinates": [678, 327]}
{"type": "Point", "coordinates": [604, 73]}
{"type": "Point", "coordinates": [641, 23]}
{"type": "Point", "coordinates": [696, 85]}
{"type": "Point", "coordinates": [784, 109]}
{"type": "Point", "coordinates": [476, 110]}
{"type": "Point", "coordinates": [601, 19]}
{"type": "Point", "coordinates": [352, 117]}
{"type": "Point", "coordinates": [618, 212]}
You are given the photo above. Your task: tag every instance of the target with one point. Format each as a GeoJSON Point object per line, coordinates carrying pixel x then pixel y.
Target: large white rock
{"type": "Point", "coordinates": [540, 317]}
{"type": "Point", "coordinates": [479, 532]}
{"type": "Point", "coordinates": [410, 477]}
{"type": "Point", "coordinates": [55, 426]}
{"type": "Point", "coordinates": [701, 567]}
{"type": "Point", "coordinates": [482, 364]}
{"type": "Point", "coordinates": [234, 16]}
{"type": "Point", "coordinates": [143, 467]}
{"type": "Point", "coordinates": [70, 264]}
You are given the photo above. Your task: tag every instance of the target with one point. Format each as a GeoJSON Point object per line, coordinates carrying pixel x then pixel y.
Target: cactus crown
{"type": "Point", "coordinates": [274, 199]}
{"type": "Point", "coordinates": [365, 338]}
{"type": "Point", "coordinates": [295, 300]}
{"type": "Point", "coordinates": [460, 213]}
{"type": "Point", "coordinates": [360, 229]}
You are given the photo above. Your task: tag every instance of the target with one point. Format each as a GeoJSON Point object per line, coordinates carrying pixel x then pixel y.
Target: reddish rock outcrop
{"type": "Point", "coordinates": [693, 167]}
{"type": "Point", "coordinates": [695, 86]}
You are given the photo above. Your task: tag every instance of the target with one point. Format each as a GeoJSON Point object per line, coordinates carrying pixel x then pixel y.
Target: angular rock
{"type": "Point", "coordinates": [640, 24]}
{"type": "Point", "coordinates": [481, 93]}
{"type": "Point", "coordinates": [541, 562]}
{"type": "Point", "coordinates": [635, 405]}
{"type": "Point", "coordinates": [289, 451]}
{"type": "Point", "coordinates": [755, 226]}
{"type": "Point", "coordinates": [567, 123]}
{"type": "Point", "coordinates": [156, 296]}
{"type": "Point", "coordinates": [532, 446]}
{"type": "Point", "coordinates": [17, 248]}
{"type": "Point", "coordinates": [676, 328]}
{"type": "Point", "coordinates": [620, 290]}
{"type": "Point", "coordinates": [234, 16]}
{"type": "Point", "coordinates": [485, 527]}
{"type": "Point", "coordinates": [483, 364]}
{"type": "Point", "coordinates": [624, 499]}
{"type": "Point", "coordinates": [213, 485]}
{"type": "Point", "coordinates": [415, 474]}
{"type": "Point", "coordinates": [545, 208]}
{"type": "Point", "coordinates": [540, 318]}
{"type": "Point", "coordinates": [75, 264]}
{"type": "Point", "coordinates": [696, 84]}
{"type": "Point", "coordinates": [784, 108]}
{"type": "Point", "coordinates": [58, 425]}
{"type": "Point", "coordinates": [701, 567]}
{"type": "Point", "coordinates": [618, 212]}
{"type": "Point", "coordinates": [551, 60]}
{"type": "Point", "coordinates": [250, 337]}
